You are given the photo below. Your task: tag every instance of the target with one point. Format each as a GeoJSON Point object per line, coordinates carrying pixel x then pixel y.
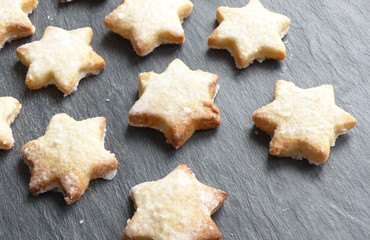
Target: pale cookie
{"type": "Point", "coordinates": [61, 57]}
{"type": "Point", "coordinates": [303, 123]}
{"type": "Point", "coordinates": [150, 23]}
{"type": "Point", "coordinates": [68, 156]}
{"type": "Point", "coordinates": [173, 208]}
{"type": "Point", "coordinates": [177, 102]}
{"type": "Point", "coordinates": [14, 22]}
{"type": "Point", "coordinates": [9, 110]}
{"type": "Point", "coordinates": [250, 33]}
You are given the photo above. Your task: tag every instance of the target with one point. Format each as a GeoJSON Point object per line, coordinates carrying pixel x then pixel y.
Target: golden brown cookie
{"type": "Point", "coordinates": [150, 23]}
{"type": "Point", "coordinates": [9, 110]}
{"type": "Point", "coordinates": [68, 156]}
{"type": "Point", "coordinates": [61, 57]}
{"type": "Point", "coordinates": [175, 207]}
{"type": "Point", "coordinates": [303, 123]}
{"type": "Point", "coordinates": [249, 33]}
{"type": "Point", "coordinates": [177, 102]}
{"type": "Point", "coordinates": [14, 22]}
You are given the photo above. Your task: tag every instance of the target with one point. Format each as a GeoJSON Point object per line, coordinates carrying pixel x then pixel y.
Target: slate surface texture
{"type": "Point", "coordinates": [269, 197]}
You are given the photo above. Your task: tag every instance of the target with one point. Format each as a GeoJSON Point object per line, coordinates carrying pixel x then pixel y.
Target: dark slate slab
{"type": "Point", "coordinates": [269, 197]}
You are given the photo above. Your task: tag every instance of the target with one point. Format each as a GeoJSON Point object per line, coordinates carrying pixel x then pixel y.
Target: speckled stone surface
{"type": "Point", "coordinates": [269, 197]}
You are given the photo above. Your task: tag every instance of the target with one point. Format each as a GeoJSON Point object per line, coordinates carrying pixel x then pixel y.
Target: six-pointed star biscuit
{"type": "Point", "coordinates": [14, 22]}
{"type": "Point", "coordinates": [175, 207]}
{"type": "Point", "coordinates": [68, 156]}
{"type": "Point", "coordinates": [249, 33]}
{"type": "Point", "coordinates": [303, 122]}
{"type": "Point", "coordinates": [149, 23]}
{"type": "Point", "coordinates": [9, 109]}
{"type": "Point", "coordinates": [61, 57]}
{"type": "Point", "coordinates": [177, 102]}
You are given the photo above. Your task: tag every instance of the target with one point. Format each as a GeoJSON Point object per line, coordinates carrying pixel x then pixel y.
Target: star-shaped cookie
{"type": "Point", "coordinates": [177, 102]}
{"type": "Point", "coordinates": [303, 123]}
{"type": "Point", "coordinates": [175, 207]}
{"type": "Point", "coordinates": [14, 22]}
{"type": "Point", "coordinates": [68, 156]}
{"type": "Point", "coordinates": [61, 57]}
{"type": "Point", "coordinates": [150, 23]}
{"type": "Point", "coordinates": [9, 110]}
{"type": "Point", "coordinates": [249, 33]}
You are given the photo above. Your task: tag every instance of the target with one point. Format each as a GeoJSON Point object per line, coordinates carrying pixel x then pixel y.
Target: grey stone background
{"type": "Point", "coordinates": [269, 197]}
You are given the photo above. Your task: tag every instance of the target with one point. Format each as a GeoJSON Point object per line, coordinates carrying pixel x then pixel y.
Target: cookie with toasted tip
{"type": "Point", "coordinates": [303, 123]}
{"type": "Point", "coordinates": [14, 22]}
{"type": "Point", "coordinates": [250, 33]}
{"type": "Point", "coordinates": [61, 57]}
{"type": "Point", "coordinates": [68, 156]}
{"type": "Point", "coordinates": [175, 207]}
{"type": "Point", "coordinates": [177, 102]}
{"type": "Point", "coordinates": [150, 23]}
{"type": "Point", "coordinates": [9, 110]}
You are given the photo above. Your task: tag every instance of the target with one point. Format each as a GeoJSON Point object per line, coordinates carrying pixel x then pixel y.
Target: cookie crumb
{"type": "Point", "coordinates": [256, 132]}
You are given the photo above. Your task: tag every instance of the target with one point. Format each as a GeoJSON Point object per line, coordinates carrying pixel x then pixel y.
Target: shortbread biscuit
{"type": "Point", "coordinates": [9, 110]}
{"type": "Point", "coordinates": [61, 57]}
{"type": "Point", "coordinates": [303, 123]}
{"type": "Point", "coordinates": [68, 156]}
{"type": "Point", "coordinates": [150, 23]}
{"type": "Point", "coordinates": [177, 102]}
{"type": "Point", "coordinates": [250, 33]}
{"type": "Point", "coordinates": [175, 207]}
{"type": "Point", "coordinates": [14, 22]}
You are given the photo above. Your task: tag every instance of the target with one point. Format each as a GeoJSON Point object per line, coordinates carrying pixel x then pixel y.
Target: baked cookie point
{"type": "Point", "coordinates": [9, 110]}
{"type": "Point", "coordinates": [175, 207]}
{"type": "Point", "coordinates": [68, 156]}
{"type": "Point", "coordinates": [14, 22]}
{"type": "Point", "coordinates": [149, 23]}
{"type": "Point", "coordinates": [177, 102]}
{"type": "Point", "coordinates": [61, 57]}
{"type": "Point", "coordinates": [250, 33]}
{"type": "Point", "coordinates": [303, 123]}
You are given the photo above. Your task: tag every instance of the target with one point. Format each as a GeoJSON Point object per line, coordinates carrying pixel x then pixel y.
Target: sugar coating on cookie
{"type": "Point", "coordinates": [175, 207]}
{"type": "Point", "coordinates": [303, 123]}
{"type": "Point", "coordinates": [9, 110]}
{"type": "Point", "coordinates": [177, 102]}
{"type": "Point", "coordinates": [150, 23]}
{"type": "Point", "coordinates": [61, 57]}
{"type": "Point", "coordinates": [250, 33]}
{"type": "Point", "coordinates": [68, 156]}
{"type": "Point", "coordinates": [14, 22]}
